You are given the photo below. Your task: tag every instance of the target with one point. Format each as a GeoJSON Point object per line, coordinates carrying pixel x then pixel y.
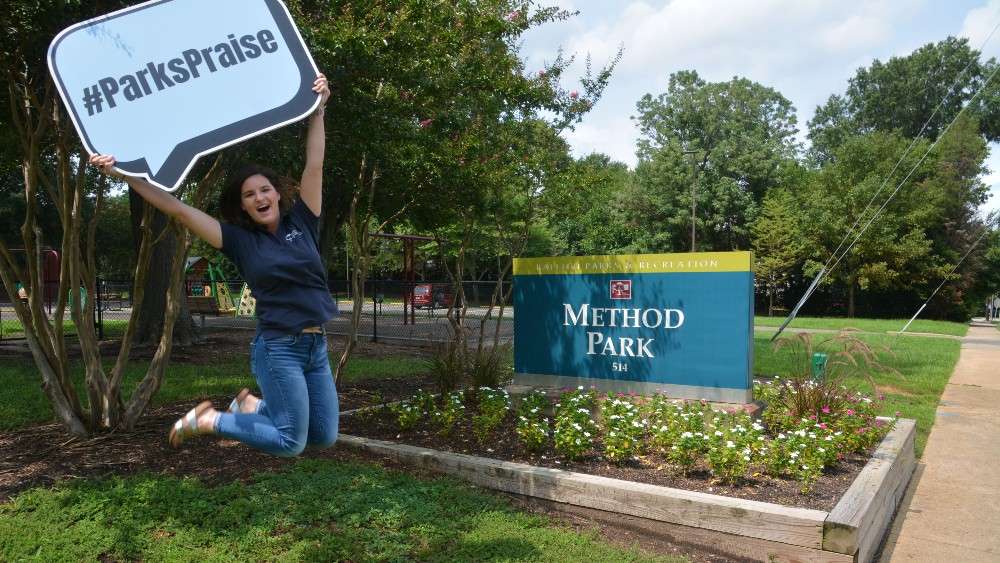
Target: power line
{"type": "Point", "coordinates": [827, 267]}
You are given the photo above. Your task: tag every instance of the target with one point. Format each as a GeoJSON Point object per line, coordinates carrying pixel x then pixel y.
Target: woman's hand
{"type": "Point", "coordinates": [321, 87]}
{"type": "Point", "coordinates": [106, 164]}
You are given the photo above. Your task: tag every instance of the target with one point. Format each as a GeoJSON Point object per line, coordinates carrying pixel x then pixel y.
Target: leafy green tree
{"type": "Point", "coordinates": [895, 251]}
{"type": "Point", "coordinates": [586, 212]}
{"type": "Point", "coordinates": [904, 93]}
{"type": "Point", "coordinates": [779, 243]}
{"type": "Point", "coordinates": [731, 140]}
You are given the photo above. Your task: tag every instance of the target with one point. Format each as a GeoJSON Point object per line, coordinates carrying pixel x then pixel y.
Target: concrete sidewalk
{"type": "Point", "coordinates": [951, 511]}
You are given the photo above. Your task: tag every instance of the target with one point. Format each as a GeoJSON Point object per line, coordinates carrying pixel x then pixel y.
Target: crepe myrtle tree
{"type": "Point", "coordinates": [420, 93]}
{"type": "Point", "coordinates": [54, 173]}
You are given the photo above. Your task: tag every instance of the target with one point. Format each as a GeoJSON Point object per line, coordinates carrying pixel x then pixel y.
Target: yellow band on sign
{"type": "Point", "coordinates": [635, 264]}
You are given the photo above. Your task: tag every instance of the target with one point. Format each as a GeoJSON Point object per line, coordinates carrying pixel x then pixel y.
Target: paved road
{"type": "Point", "coordinates": [951, 511]}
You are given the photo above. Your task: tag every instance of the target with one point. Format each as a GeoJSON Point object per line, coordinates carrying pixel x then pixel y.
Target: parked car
{"type": "Point", "coordinates": [432, 296]}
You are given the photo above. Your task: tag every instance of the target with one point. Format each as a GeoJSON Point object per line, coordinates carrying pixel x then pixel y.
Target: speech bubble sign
{"type": "Point", "coordinates": [162, 83]}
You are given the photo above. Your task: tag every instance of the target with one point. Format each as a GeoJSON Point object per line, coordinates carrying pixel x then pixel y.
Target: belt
{"type": "Point", "coordinates": [313, 330]}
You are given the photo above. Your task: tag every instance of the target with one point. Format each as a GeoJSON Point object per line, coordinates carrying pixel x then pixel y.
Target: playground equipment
{"type": "Point", "coordinates": [248, 305]}
{"type": "Point", "coordinates": [217, 289]}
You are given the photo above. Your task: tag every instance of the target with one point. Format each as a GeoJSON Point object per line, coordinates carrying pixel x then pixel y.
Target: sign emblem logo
{"type": "Point", "coordinates": [621, 289]}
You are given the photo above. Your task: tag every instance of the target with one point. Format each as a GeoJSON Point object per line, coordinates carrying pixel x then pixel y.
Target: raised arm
{"type": "Point", "coordinates": [203, 225]}
{"type": "Point", "coordinates": [312, 177]}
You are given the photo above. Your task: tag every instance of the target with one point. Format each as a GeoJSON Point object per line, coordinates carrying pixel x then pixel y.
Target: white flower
{"type": "Point", "coordinates": [757, 427]}
{"type": "Point", "coordinates": [794, 455]}
{"type": "Point", "coordinates": [718, 433]}
{"type": "Point", "coordinates": [587, 434]}
{"type": "Point", "coordinates": [730, 444]}
{"type": "Point", "coordinates": [687, 435]}
{"type": "Point", "coordinates": [746, 458]}
{"type": "Point", "coordinates": [781, 436]}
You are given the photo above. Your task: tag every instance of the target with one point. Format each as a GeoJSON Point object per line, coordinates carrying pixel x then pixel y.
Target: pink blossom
{"type": "Point", "coordinates": [812, 417]}
{"type": "Point", "coordinates": [878, 422]}
{"type": "Point", "coordinates": [541, 74]}
{"type": "Point", "coordinates": [898, 414]}
{"type": "Point", "coordinates": [881, 396]}
{"type": "Point", "coordinates": [822, 425]}
{"type": "Point", "coordinates": [513, 15]}
{"type": "Point", "coordinates": [426, 123]}
{"type": "Point", "coordinates": [574, 95]}
{"type": "Point", "coordinates": [826, 410]}
{"type": "Point", "coordinates": [850, 412]}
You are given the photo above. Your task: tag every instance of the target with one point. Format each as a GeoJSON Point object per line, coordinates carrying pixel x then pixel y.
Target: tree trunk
{"type": "Point", "coordinates": [850, 297]}
{"type": "Point", "coordinates": [150, 323]}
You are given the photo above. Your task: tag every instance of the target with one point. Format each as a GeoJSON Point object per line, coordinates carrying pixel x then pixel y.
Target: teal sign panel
{"type": "Point", "coordinates": [681, 324]}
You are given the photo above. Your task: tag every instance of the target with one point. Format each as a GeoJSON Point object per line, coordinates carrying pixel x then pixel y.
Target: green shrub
{"type": "Point", "coordinates": [494, 404]}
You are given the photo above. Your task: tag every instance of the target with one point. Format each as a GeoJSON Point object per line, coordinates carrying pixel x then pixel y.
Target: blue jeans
{"type": "Point", "coordinates": [299, 403]}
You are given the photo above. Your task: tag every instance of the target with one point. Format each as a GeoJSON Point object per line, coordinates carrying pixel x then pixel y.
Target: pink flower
{"type": "Point", "coordinates": [878, 422]}
{"type": "Point", "coordinates": [850, 412]}
{"type": "Point", "coordinates": [541, 74]}
{"type": "Point", "coordinates": [881, 396]}
{"type": "Point", "coordinates": [826, 410]}
{"type": "Point", "coordinates": [898, 414]}
{"type": "Point", "coordinates": [426, 123]}
{"type": "Point", "coordinates": [822, 425]}
{"type": "Point", "coordinates": [574, 95]}
{"type": "Point", "coordinates": [513, 15]}
{"type": "Point", "coordinates": [812, 417]}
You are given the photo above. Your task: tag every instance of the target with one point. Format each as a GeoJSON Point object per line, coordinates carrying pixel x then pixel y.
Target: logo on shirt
{"type": "Point", "coordinates": [295, 234]}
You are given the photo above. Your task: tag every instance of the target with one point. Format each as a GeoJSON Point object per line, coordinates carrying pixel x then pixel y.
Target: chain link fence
{"type": "Point", "coordinates": [391, 310]}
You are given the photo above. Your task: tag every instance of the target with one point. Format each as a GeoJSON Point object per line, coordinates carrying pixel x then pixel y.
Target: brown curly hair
{"type": "Point", "coordinates": [230, 200]}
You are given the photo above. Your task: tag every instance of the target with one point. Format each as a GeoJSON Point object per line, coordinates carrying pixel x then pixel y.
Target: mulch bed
{"type": "Point", "coordinates": [45, 455]}
{"type": "Point", "coordinates": [651, 469]}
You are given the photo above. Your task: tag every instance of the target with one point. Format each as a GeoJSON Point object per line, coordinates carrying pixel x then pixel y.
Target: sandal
{"type": "Point", "coordinates": [236, 406]}
{"type": "Point", "coordinates": [187, 425]}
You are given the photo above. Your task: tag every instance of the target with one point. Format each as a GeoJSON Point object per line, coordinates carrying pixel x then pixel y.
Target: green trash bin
{"type": "Point", "coordinates": [818, 366]}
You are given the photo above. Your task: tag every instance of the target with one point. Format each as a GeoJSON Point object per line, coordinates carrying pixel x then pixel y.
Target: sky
{"type": "Point", "coordinates": [805, 49]}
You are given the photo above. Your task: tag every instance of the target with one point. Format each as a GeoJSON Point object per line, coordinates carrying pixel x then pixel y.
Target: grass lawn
{"type": "Point", "coordinates": [318, 511]}
{"type": "Point", "coordinates": [925, 365]}
{"type": "Point", "coordinates": [868, 325]}
{"type": "Point", "coordinates": [113, 328]}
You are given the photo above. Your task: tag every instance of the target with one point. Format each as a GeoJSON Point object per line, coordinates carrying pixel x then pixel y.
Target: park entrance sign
{"type": "Point", "coordinates": [161, 83]}
{"type": "Point", "coordinates": [680, 324]}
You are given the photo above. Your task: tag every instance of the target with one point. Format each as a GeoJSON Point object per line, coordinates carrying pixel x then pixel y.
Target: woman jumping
{"type": "Point", "coordinates": [274, 241]}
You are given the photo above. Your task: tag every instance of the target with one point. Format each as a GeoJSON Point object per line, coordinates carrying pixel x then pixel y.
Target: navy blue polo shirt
{"type": "Point", "coordinates": [284, 272]}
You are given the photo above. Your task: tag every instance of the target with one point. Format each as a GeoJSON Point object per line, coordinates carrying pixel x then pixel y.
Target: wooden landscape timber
{"type": "Point", "coordinates": [852, 531]}
{"type": "Point", "coordinates": [859, 522]}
